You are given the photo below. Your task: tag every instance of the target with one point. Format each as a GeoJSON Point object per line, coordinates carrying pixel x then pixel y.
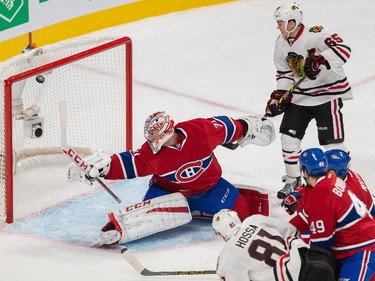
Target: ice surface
{"type": "Point", "coordinates": [196, 63]}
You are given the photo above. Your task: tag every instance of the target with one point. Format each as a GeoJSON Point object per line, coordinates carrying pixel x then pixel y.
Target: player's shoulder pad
{"type": "Point", "coordinates": [316, 29]}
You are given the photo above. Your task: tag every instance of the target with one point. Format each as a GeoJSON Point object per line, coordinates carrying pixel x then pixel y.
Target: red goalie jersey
{"type": "Point", "coordinates": [189, 168]}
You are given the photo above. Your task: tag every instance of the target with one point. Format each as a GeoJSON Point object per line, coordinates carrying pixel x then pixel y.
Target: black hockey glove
{"type": "Point", "coordinates": [313, 63]}
{"type": "Point", "coordinates": [274, 107]}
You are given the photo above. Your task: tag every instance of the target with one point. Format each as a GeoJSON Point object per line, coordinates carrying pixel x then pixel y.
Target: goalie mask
{"type": "Point", "coordinates": [226, 223]}
{"type": "Point", "coordinates": [159, 127]}
{"type": "Point", "coordinates": [289, 11]}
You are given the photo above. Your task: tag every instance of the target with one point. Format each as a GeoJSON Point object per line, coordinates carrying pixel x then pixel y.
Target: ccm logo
{"type": "Point", "coordinates": [78, 160]}
{"type": "Point", "coordinates": [138, 205]}
{"type": "Point", "coordinates": [225, 196]}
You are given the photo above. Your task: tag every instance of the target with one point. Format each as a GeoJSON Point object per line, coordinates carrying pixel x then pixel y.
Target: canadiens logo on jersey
{"type": "Point", "coordinates": [316, 28]}
{"type": "Point", "coordinates": [192, 170]}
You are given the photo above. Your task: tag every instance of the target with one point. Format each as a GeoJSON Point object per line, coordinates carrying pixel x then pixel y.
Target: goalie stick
{"type": "Point", "coordinates": [73, 155]}
{"type": "Point", "coordinates": [134, 262]}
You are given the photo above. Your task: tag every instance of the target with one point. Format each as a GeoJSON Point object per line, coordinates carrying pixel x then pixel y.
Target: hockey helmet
{"type": "Point", "coordinates": [289, 11]}
{"type": "Point", "coordinates": [339, 161]}
{"type": "Point", "coordinates": [314, 161]}
{"type": "Point", "coordinates": [158, 128]}
{"type": "Point", "coordinates": [226, 223]}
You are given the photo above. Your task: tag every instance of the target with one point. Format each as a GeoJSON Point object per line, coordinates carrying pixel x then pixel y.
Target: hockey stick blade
{"type": "Point", "coordinates": [74, 156]}
{"type": "Point", "coordinates": [134, 262]}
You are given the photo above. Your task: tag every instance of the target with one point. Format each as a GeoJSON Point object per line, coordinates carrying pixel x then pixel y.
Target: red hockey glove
{"type": "Point", "coordinates": [313, 63]}
{"type": "Point", "coordinates": [274, 107]}
{"type": "Point", "coordinates": [290, 202]}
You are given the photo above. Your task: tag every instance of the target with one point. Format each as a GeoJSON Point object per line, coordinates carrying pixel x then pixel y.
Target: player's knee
{"type": "Point", "coordinates": [290, 143]}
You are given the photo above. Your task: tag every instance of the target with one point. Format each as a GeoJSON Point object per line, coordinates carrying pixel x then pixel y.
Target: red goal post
{"type": "Point", "coordinates": [92, 75]}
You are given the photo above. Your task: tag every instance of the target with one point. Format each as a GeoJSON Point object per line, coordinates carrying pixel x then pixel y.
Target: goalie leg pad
{"type": "Point", "coordinates": [250, 202]}
{"type": "Point", "coordinates": [146, 218]}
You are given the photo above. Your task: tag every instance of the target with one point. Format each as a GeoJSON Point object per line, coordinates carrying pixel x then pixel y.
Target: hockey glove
{"type": "Point", "coordinates": [274, 106]}
{"type": "Point", "coordinates": [313, 63]}
{"type": "Point", "coordinates": [100, 164]}
{"type": "Point", "coordinates": [257, 130]}
{"type": "Point", "coordinates": [291, 201]}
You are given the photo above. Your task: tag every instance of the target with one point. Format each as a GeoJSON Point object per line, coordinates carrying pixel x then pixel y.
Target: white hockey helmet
{"type": "Point", "coordinates": [158, 128]}
{"type": "Point", "coordinates": [226, 223]}
{"type": "Point", "coordinates": [289, 11]}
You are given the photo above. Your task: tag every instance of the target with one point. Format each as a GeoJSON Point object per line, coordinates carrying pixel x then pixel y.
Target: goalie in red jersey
{"type": "Point", "coordinates": [181, 160]}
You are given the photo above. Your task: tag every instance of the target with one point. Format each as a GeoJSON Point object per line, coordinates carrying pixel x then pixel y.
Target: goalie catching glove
{"type": "Point", "coordinates": [100, 164]}
{"type": "Point", "coordinates": [257, 130]}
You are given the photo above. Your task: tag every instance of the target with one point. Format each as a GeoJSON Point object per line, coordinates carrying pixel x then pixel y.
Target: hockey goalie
{"type": "Point", "coordinates": [186, 175]}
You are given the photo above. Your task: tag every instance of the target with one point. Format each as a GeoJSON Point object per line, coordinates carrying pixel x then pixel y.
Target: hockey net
{"type": "Point", "coordinates": [94, 78]}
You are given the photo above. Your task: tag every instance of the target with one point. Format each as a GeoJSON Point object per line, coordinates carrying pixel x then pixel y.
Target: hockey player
{"type": "Point", "coordinates": [337, 220]}
{"type": "Point", "coordinates": [317, 56]}
{"type": "Point", "coordinates": [264, 248]}
{"type": "Point", "coordinates": [180, 159]}
{"type": "Point", "coordinates": [339, 164]}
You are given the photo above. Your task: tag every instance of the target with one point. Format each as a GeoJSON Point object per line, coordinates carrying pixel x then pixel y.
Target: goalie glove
{"type": "Point", "coordinates": [257, 130]}
{"type": "Point", "coordinates": [100, 164]}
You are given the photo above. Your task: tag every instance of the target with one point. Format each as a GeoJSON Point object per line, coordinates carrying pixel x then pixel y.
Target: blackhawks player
{"type": "Point", "coordinates": [316, 55]}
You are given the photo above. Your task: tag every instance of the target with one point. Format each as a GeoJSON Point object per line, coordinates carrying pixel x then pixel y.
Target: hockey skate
{"type": "Point", "coordinates": [290, 185]}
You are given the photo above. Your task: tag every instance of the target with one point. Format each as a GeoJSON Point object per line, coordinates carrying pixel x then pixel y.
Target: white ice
{"type": "Point", "coordinates": [199, 63]}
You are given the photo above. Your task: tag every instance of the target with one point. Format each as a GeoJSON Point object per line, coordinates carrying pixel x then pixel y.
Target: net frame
{"type": "Point", "coordinates": [9, 159]}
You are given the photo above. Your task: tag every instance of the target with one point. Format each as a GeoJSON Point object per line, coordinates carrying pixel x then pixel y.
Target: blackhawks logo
{"type": "Point", "coordinates": [316, 28]}
{"type": "Point", "coordinates": [296, 63]}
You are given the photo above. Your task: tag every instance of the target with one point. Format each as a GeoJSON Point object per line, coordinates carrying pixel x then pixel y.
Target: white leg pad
{"type": "Point", "coordinates": [150, 216]}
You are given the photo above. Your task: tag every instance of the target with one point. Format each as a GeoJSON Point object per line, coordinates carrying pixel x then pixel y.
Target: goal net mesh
{"type": "Point", "coordinates": [92, 76]}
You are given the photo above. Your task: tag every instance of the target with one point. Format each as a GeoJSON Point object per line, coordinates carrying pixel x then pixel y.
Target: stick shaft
{"type": "Point", "coordinates": [294, 86]}
{"type": "Point", "coordinates": [74, 156]}
{"type": "Point", "coordinates": [134, 262]}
